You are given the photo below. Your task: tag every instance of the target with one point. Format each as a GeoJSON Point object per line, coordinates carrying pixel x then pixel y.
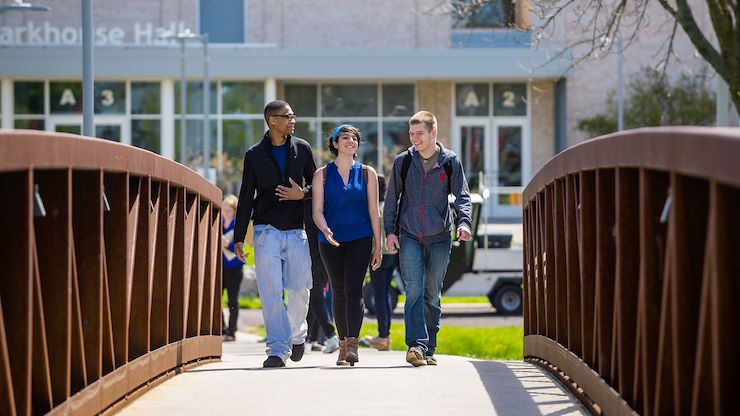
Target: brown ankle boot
{"type": "Point", "coordinates": [342, 359]}
{"type": "Point", "coordinates": [380, 344]}
{"type": "Point", "coordinates": [352, 344]}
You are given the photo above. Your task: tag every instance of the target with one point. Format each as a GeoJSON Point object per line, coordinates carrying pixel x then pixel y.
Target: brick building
{"type": "Point", "coordinates": [501, 103]}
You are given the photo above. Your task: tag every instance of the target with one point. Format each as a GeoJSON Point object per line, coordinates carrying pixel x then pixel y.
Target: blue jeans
{"type": "Point", "coordinates": [423, 268]}
{"type": "Point", "coordinates": [381, 281]}
{"type": "Point", "coordinates": [282, 263]}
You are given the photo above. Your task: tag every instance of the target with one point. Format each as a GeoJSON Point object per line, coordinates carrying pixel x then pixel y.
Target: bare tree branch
{"type": "Point", "coordinates": [596, 23]}
{"type": "Point", "coordinates": [669, 51]}
{"type": "Point", "coordinates": [668, 8]}
{"type": "Point", "coordinates": [706, 50]}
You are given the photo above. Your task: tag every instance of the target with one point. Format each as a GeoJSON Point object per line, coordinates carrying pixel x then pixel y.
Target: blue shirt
{"type": "Point", "coordinates": [281, 156]}
{"type": "Point", "coordinates": [345, 207]}
{"type": "Point", "coordinates": [234, 263]}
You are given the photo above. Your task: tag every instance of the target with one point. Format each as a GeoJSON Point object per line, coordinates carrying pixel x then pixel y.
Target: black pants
{"type": "Point", "coordinates": [318, 315]}
{"type": "Point", "coordinates": [232, 281]}
{"type": "Point", "coordinates": [347, 265]}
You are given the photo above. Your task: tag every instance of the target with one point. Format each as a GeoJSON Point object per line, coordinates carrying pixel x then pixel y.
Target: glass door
{"type": "Point", "coordinates": [471, 140]}
{"type": "Point", "coordinates": [509, 166]}
{"type": "Point", "coordinates": [493, 156]}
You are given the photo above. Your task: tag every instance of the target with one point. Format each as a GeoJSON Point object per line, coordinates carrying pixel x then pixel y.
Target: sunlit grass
{"type": "Point", "coordinates": [454, 299]}
{"type": "Point", "coordinates": [501, 343]}
{"type": "Point", "coordinates": [254, 302]}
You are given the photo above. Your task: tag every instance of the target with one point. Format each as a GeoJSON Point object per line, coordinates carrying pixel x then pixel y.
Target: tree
{"type": "Point", "coordinates": [652, 100]}
{"type": "Point", "coordinates": [600, 22]}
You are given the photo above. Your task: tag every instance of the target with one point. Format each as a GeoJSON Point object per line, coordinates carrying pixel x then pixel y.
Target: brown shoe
{"type": "Point", "coordinates": [380, 344]}
{"type": "Point", "coordinates": [415, 357]}
{"type": "Point", "coordinates": [352, 345]}
{"type": "Point", "coordinates": [342, 358]}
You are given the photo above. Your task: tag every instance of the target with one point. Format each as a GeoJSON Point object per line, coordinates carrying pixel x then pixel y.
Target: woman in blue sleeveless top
{"type": "Point", "coordinates": [345, 209]}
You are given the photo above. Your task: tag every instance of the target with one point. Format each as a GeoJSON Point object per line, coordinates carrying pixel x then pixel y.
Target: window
{"type": "Point", "coordinates": [488, 24]}
{"type": "Point", "coordinates": [380, 111]}
{"type": "Point", "coordinates": [222, 20]}
{"type": "Point", "coordinates": [110, 98]}
{"type": "Point", "coordinates": [145, 98]}
{"type": "Point", "coordinates": [302, 99]}
{"type": "Point", "coordinates": [194, 97]}
{"type": "Point", "coordinates": [28, 99]}
{"type": "Point", "coordinates": [509, 99]}
{"type": "Point", "coordinates": [398, 100]}
{"type": "Point", "coordinates": [349, 100]}
{"type": "Point", "coordinates": [65, 97]}
{"type": "Point", "coordinates": [146, 124]}
{"type": "Point", "coordinates": [471, 99]}
{"type": "Point", "coordinates": [237, 123]}
{"type": "Point", "coordinates": [492, 14]}
{"type": "Point", "coordinates": [243, 97]}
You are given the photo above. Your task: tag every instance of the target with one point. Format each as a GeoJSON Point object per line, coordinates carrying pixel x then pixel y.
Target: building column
{"type": "Point", "coordinates": [270, 90]}
{"type": "Point", "coordinates": [167, 105]}
{"type": "Point", "coordinates": [6, 103]}
{"type": "Point", "coordinates": [522, 17]}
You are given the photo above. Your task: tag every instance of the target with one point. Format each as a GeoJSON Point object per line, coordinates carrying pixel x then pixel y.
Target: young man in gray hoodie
{"type": "Point", "coordinates": [418, 223]}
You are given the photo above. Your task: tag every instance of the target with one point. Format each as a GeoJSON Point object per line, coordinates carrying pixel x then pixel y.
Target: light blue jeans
{"type": "Point", "coordinates": [282, 262]}
{"type": "Point", "coordinates": [423, 268]}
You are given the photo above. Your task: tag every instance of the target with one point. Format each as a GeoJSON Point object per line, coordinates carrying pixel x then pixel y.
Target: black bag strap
{"type": "Point", "coordinates": [405, 169]}
{"type": "Point", "coordinates": [448, 168]}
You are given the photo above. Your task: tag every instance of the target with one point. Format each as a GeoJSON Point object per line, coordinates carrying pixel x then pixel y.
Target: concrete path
{"type": "Point", "coordinates": [382, 383]}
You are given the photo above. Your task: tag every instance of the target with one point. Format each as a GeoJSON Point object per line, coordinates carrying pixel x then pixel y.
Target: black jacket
{"type": "Point", "coordinates": [260, 179]}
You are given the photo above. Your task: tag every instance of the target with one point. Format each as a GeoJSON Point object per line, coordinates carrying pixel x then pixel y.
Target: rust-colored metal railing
{"type": "Point", "coordinates": [111, 272]}
{"type": "Point", "coordinates": [632, 270]}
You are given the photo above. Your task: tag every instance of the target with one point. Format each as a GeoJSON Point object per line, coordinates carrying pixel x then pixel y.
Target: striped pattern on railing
{"type": "Point", "coordinates": [111, 272]}
{"type": "Point", "coordinates": [632, 266]}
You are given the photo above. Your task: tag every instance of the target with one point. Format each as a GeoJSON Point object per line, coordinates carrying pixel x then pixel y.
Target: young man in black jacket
{"type": "Point", "coordinates": [272, 197]}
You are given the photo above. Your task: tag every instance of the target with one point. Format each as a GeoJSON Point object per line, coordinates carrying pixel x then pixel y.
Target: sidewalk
{"type": "Point", "coordinates": [382, 383]}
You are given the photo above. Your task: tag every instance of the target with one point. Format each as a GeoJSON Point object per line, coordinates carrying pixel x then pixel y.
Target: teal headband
{"type": "Point", "coordinates": [337, 131]}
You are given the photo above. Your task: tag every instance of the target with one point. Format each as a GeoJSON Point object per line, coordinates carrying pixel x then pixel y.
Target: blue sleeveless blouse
{"type": "Point", "coordinates": [345, 207]}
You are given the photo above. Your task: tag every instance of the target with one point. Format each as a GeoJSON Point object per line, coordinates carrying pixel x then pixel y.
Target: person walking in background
{"type": "Point", "coordinates": [318, 315]}
{"type": "Point", "coordinates": [417, 221]}
{"type": "Point", "coordinates": [381, 280]}
{"type": "Point", "coordinates": [345, 209]}
{"type": "Point", "coordinates": [232, 266]}
{"type": "Point", "coordinates": [272, 196]}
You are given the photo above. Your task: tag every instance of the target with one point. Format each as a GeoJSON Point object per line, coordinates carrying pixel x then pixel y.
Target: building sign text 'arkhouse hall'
{"type": "Point", "coordinates": [47, 34]}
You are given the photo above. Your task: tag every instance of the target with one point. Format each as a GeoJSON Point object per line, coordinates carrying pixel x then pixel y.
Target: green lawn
{"type": "Point", "coordinates": [503, 343]}
{"type": "Point", "coordinates": [454, 299]}
{"type": "Point", "coordinates": [254, 303]}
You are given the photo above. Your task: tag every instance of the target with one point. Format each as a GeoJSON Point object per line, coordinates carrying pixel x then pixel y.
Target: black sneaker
{"type": "Point", "coordinates": [273, 361]}
{"type": "Point", "coordinates": [297, 353]}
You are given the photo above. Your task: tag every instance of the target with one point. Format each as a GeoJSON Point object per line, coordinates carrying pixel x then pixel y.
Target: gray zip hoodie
{"type": "Point", "coordinates": [424, 208]}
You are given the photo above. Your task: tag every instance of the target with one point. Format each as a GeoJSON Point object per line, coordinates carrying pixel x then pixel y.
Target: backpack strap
{"type": "Point", "coordinates": [405, 168]}
{"type": "Point", "coordinates": [448, 169]}
{"type": "Point", "coordinates": [405, 165]}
